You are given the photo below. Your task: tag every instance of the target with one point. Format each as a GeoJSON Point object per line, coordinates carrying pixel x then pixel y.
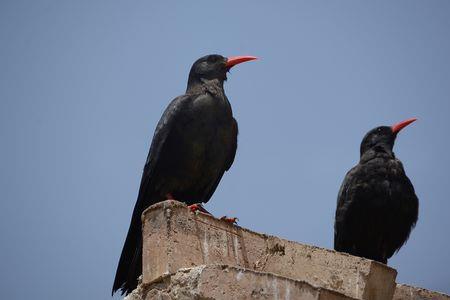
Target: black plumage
{"type": "Point", "coordinates": [193, 145]}
{"type": "Point", "coordinates": [377, 207]}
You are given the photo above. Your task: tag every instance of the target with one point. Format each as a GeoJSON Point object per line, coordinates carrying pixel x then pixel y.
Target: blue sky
{"type": "Point", "coordinates": [83, 84]}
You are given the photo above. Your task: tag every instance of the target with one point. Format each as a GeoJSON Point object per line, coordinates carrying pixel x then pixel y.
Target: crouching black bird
{"type": "Point", "coordinates": [377, 207]}
{"type": "Point", "coordinates": [194, 144]}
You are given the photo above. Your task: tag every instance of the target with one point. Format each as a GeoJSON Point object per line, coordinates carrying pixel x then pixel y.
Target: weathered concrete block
{"type": "Point", "coordinates": [216, 282]}
{"type": "Point", "coordinates": [176, 238]}
{"type": "Point", "coordinates": [406, 292]}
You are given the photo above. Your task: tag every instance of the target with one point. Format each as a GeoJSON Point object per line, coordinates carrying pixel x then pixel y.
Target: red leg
{"type": "Point", "coordinates": [229, 220]}
{"type": "Point", "coordinates": [194, 207]}
{"type": "Point", "coordinates": [198, 207]}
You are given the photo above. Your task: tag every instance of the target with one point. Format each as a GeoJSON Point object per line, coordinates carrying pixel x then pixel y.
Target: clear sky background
{"type": "Point", "coordinates": [83, 84]}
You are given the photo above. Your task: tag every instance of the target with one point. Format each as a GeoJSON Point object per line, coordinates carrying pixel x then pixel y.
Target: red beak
{"type": "Point", "coordinates": [399, 126]}
{"type": "Point", "coordinates": [234, 60]}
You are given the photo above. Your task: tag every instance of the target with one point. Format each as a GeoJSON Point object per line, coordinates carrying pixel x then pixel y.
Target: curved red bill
{"type": "Point", "coordinates": [400, 125]}
{"type": "Point", "coordinates": [235, 60]}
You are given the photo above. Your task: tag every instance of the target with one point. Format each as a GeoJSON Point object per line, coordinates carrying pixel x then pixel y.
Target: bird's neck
{"type": "Point", "coordinates": [200, 86]}
{"type": "Point", "coordinates": [376, 152]}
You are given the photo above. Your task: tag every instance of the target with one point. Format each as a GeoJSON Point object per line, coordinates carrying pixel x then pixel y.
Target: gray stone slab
{"type": "Point", "coordinates": [176, 238]}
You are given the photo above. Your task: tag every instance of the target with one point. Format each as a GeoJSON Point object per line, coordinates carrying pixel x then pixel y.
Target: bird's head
{"type": "Point", "coordinates": [214, 66]}
{"type": "Point", "coordinates": [383, 137]}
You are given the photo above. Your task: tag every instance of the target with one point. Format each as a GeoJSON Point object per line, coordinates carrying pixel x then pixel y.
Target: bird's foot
{"type": "Point", "coordinates": [229, 220]}
{"type": "Point", "coordinates": [194, 207]}
{"type": "Point", "coordinates": [198, 208]}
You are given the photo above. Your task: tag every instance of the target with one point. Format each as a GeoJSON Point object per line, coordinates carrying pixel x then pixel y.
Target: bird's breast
{"type": "Point", "coordinates": [205, 138]}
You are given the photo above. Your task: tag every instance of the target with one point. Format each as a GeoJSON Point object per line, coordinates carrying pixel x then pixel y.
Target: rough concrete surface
{"type": "Point", "coordinates": [406, 292]}
{"type": "Point", "coordinates": [225, 282]}
{"type": "Point", "coordinates": [176, 238]}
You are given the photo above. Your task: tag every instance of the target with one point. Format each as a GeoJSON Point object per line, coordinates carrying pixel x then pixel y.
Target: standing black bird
{"type": "Point", "coordinates": [194, 143]}
{"type": "Point", "coordinates": [377, 207]}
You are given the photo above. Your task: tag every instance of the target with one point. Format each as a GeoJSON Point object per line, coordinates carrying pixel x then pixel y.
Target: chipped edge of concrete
{"type": "Point", "coordinates": [136, 294]}
{"type": "Point", "coordinates": [163, 282]}
{"type": "Point", "coordinates": [419, 290]}
{"type": "Point", "coordinates": [173, 204]}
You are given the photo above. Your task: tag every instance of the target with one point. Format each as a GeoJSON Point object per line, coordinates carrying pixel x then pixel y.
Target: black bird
{"type": "Point", "coordinates": [377, 207]}
{"type": "Point", "coordinates": [194, 143]}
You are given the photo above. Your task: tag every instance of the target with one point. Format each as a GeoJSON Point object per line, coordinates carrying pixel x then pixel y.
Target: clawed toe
{"type": "Point", "coordinates": [198, 208]}
{"type": "Point", "coordinates": [229, 220]}
{"type": "Point", "coordinates": [194, 207]}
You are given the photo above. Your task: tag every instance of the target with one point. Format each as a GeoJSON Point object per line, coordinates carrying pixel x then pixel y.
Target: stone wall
{"type": "Point", "coordinates": [195, 256]}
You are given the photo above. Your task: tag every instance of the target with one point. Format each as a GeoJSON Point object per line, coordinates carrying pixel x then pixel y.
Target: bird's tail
{"type": "Point", "coordinates": [130, 263]}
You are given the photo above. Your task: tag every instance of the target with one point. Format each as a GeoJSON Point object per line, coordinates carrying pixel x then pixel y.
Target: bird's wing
{"type": "Point", "coordinates": [129, 267]}
{"type": "Point", "coordinates": [231, 155]}
{"type": "Point", "coordinates": [173, 114]}
{"type": "Point", "coordinates": [357, 213]}
{"type": "Point", "coordinates": [402, 193]}
{"type": "Point", "coordinates": [374, 199]}
{"type": "Point", "coordinates": [343, 208]}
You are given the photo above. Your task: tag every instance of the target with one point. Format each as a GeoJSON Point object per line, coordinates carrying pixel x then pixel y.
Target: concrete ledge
{"type": "Point", "coordinates": [215, 282]}
{"type": "Point", "coordinates": [176, 238]}
{"type": "Point", "coordinates": [406, 292]}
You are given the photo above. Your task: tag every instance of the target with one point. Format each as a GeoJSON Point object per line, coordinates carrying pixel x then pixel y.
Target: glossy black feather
{"type": "Point", "coordinates": [377, 206]}
{"type": "Point", "coordinates": [194, 143]}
